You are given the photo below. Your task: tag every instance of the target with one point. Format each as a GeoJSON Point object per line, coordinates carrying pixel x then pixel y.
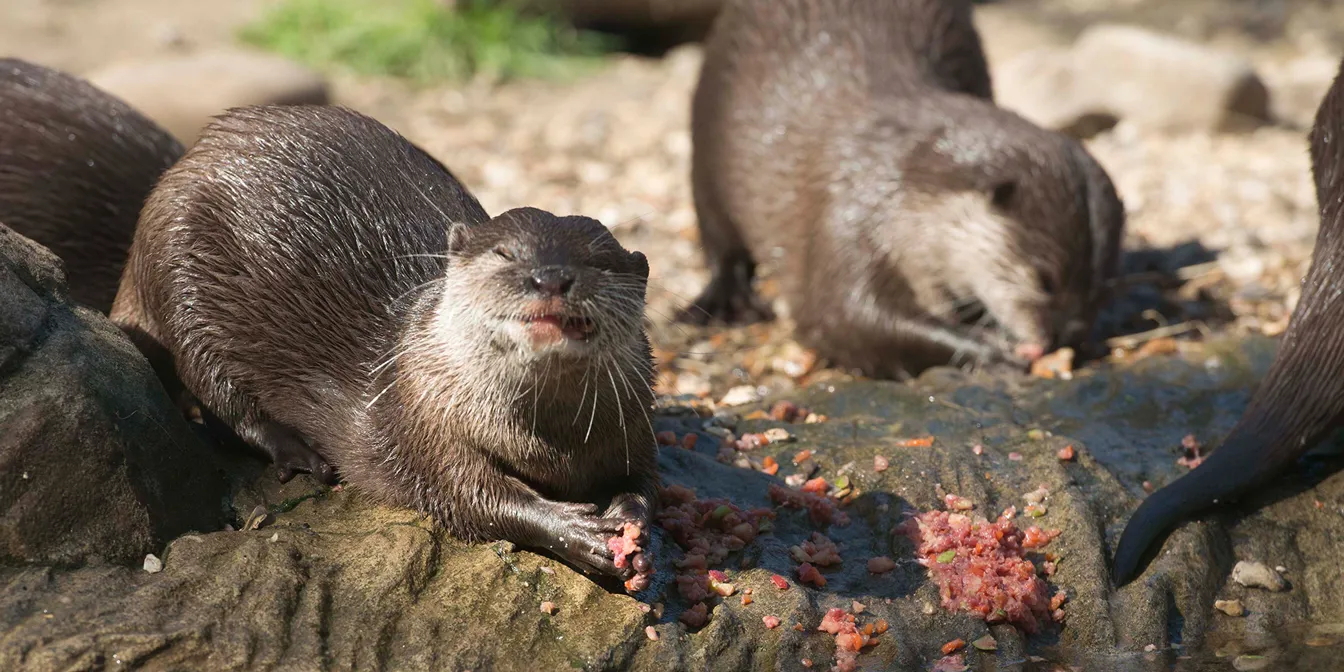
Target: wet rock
{"type": "Point", "coordinates": [1154, 81]}
{"type": "Point", "coordinates": [95, 461]}
{"type": "Point", "coordinates": [1257, 575]}
{"type": "Point", "coordinates": [333, 578]}
{"type": "Point", "coordinates": [182, 92]}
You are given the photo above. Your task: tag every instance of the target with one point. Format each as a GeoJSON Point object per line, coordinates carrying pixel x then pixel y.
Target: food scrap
{"type": "Point", "coordinates": [625, 547]}
{"type": "Point", "coordinates": [779, 581]}
{"type": "Point", "coordinates": [1058, 364]}
{"type": "Point", "coordinates": [950, 664]}
{"type": "Point", "coordinates": [809, 574]}
{"type": "Point", "coordinates": [771, 622]}
{"type": "Point", "coordinates": [651, 633]}
{"type": "Point", "coordinates": [977, 449]}
{"type": "Point", "coordinates": [707, 530]}
{"type": "Point", "coordinates": [769, 465]}
{"type": "Point", "coordinates": [666, 438]}
{"type": "Point", "coordinates": [880, 464]}
{"type": "Point", "coordinates": [881, 565]}
{"type": "Point", "coordinates": [696, 616]}
{"type": "Point", "coordinates": [1015, 456]}
{"type": "Point", "coordinates": [787, 411]}
{"type": "Point", "coordinates": [1066, 453]}
{"type": "Point", "coordinates": [688, 442]}
{"type": "Point", "coordinates": [1194, 452]}
{"type": "Point", "coordinates": [979, 567]}
{"type": "Point", "coordinates": [822, 509]}
{"type": "Point", "coordinates": [958, 503]}
{"type": "Point", "coordinates": [849, 639]}
{"type": "Point", "coordinates": [921, 442]}
{"type": "Point", "coordinates": [802, 456]}
{"type": "Point", "coordinates": [818, 550]}
{"type": "Point", "coordinates": [986, 643]}
{"type": "Point", "coordinates": [548, 608]}
{"type": "Point", "coordinates": [953, 645]}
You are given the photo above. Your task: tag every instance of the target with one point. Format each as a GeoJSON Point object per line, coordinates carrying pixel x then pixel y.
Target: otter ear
{"type": "Point", "coordinates": [1003, 194]}
{"type": "Point", "coordinates": [457, 237]}
{"type": "Point", "coordinates": [641, 263]}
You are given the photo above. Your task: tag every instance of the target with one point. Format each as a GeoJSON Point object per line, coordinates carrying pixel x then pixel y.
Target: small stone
{"type": "Point", "coordinates": [778, 435]}
{"type": "Point", "coordinates": [880, 464]}
{"type": "Point", "coordinates": [1258, 575]}
{"type": "Point", "coordinates": [153, 564]}
{"type": "Point", "coordinates": [858, 607]}
{"type": "Point", "coordinates": [274, 538]}
{"type": "Point", "coordinates": [1150, 648]}
{"type": "Point", "coordinates": [742, 394]}
{"type": "Point", "coordinates": [651, 633]}
{"type": "Point", "coordinates": [548, 608]}
{"type": "Point", "coordinates": [1230, 607]}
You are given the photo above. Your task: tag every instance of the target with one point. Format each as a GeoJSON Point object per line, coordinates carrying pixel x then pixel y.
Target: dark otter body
{"type": "Point", "coordinates": [1301, 399]}
{"type": "Point", "coordinates": [75, 166]}
{"type": "Point", "coordinates": [334, 296]}
{"type": "Point", "coordinates": [856, 142]}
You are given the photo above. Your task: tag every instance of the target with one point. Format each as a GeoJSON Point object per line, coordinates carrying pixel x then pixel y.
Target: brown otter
{"type": "Point", "coordinates": [1301, 398]}
{"type": "Point", "coordinates": [75, 166]}
{"type": "Point", "coordinates": [856, 143]}
{"type": "Point", "coordinates": [335, 297]}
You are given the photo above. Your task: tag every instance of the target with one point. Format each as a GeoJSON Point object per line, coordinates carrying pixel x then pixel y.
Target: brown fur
{"type": "Point", "coordinates": [1301, 399]}
{"type": "Point", "coordinates": [334, 296]}
{"type": "Point", "coordinates": [856, 144]}
{"type": "Point", "coordinates": [75, 166]}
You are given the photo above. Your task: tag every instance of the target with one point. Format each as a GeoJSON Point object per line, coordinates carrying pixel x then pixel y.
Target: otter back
{"type": "Point", "coordinates": [75, 167]}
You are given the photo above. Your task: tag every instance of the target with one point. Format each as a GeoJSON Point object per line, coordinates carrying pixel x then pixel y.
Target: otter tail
{"type": "Point", "coordinates": [1237, 467]}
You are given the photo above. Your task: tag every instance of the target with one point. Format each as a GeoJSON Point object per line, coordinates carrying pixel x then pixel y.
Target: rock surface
{"type": "Point", "coordinates": [95, 462]}
{"type": "Point", "coordinates": [182, 92]}
{"type": "Point", "coordinates": [1155, 81]}
{"type": "Point", "coordinates": [365, 587]}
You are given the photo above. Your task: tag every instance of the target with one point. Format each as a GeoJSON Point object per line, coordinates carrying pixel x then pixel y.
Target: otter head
{"type": "Point", "coordinates": [1029, 232]}
{"type": "Point", "coordinates": [543, 290]}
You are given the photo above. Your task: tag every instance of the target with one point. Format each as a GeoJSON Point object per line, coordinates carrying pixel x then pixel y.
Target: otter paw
{"type": "Point", "coordinates": [311, 464]}
{"type": "Point", "coordinates": [726, 303]}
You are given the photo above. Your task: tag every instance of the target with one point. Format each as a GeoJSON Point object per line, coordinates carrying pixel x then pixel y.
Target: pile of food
{"type": "Point", "coordinates": [980, 568]}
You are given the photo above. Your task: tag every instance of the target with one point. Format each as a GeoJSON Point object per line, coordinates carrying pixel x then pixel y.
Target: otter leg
{"type": "Point", "coordinates": [289, 451]}
{"type": "Point", "coordinates": [729, 296]}
{"type": "Point", "coordinates": [483, 503]}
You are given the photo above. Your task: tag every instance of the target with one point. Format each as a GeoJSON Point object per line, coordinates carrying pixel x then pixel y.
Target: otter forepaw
{"type": "Point", "coordinates": [728, 302]}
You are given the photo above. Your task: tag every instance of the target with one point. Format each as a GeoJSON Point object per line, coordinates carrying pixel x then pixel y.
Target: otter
{"type": "Point", "coordinates": [1301, 399]}
{"type": "Point", "coordinates": [334, 297]}
{"type": "Point", "coordinates": [912, 221]}
{"type": "Point", "coordinates": [76, 165]}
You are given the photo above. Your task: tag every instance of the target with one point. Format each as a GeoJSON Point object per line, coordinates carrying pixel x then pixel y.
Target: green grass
{"type": "Point", "coordinates": [425, 41]}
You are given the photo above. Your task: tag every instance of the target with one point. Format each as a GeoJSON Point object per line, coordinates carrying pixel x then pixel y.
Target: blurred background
{"type": "Point", "coordinates": [1196, 108]}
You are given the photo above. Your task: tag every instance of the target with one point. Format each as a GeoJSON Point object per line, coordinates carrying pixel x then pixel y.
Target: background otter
{"type": "Point", "coordinates": [1301, 398]}
{"type": "Point", "coordinates": [75, 166]}
{"type": "Point", "coordinates": [914, 222]}
{"type": "Point", "coordinates": [335, 296]}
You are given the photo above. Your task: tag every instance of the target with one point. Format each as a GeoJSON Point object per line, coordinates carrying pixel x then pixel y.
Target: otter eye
{"type": "Point", "coordinates": [504, 253]}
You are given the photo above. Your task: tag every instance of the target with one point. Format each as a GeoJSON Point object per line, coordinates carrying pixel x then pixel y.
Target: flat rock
{"type": "Point", "coordinates": [95, 461]}
{"type": "Point", "coordinates": [182, 92]}
{"type": "Point", "coordinates": [1154, 81]}
{"type": "Point", "coordinates": [337, 582]}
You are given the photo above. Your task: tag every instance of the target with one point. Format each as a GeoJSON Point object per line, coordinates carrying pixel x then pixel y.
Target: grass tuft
{"type": "Point", "coordinates": [426, 41]}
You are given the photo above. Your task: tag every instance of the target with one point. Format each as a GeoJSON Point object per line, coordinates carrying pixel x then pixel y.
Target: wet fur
{"type": "Point", "coordinates": [75, 167]}
{"type": "Point", "coordinates": [335, 297]}
{"type": "Point", "coordinates": [856, 142]}
{"type": "Point", "coordinates": [1301, 399]}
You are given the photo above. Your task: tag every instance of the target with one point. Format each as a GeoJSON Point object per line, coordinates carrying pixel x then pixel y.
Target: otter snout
{"type": "Point", "coordinates": [551, 281]}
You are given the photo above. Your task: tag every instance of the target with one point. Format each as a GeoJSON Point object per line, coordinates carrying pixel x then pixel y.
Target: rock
{"type": "Point", "coordinates": [1230, 607]}
{"type": "Point", "coordinates": [182, 92]}
{"type": "Point", "coordinates": [1154, 81]}
{"type": "Point", "coordinates": [95, 460]}
{"type": "Point", "coordinates": [1257, 575]}
{"type": "Point", "coordinates": [153, 564]}
{"type": "Point", "coordinates": [742, 394]}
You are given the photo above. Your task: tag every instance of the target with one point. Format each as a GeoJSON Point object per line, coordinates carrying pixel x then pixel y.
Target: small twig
{"type": "Point", "coordinates": [1134, 340]}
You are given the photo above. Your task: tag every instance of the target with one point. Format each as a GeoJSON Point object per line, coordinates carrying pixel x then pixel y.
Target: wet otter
{"type": "Point", "coordinates": [335, 297]}
{"type": "Point", "coordinates": [857, 144]}
{"type": "Point", "coordinates": [75, 166]}
{"type": "Point", "coordinates": [1301, 398]}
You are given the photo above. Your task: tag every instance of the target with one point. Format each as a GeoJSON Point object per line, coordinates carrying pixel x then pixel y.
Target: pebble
{"type": "Point", "coordinates": [1230, 607]}
{"type": "Point", "coordinates": [651, 633]}
{"type": "Point", "coordinates": [153, 564]}
{"type": "Point", "coordinates": [1258, 575]}
{"type": "Point", "coordinates": [740, 395]}
{"type": "Point", "coordinates": [778, 435]}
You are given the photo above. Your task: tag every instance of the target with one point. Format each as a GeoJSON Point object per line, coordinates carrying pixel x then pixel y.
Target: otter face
{"type": "Point", "coordinates": [550, 288]}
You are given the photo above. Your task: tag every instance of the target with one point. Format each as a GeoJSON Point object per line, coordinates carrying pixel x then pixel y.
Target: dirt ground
{"type": "Point", "coordinates": [1235, 212]}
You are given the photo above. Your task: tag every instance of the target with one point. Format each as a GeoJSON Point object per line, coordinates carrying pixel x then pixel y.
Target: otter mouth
{"type": "Point", "coordinates": [551, 327]}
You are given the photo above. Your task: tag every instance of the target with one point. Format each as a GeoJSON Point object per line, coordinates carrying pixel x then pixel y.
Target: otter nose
{"type": "Point", "coordinates": [551, 280]}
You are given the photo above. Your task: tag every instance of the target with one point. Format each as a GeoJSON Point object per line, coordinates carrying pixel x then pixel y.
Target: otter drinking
{"type": "Point", "coordinates": [332, 294]}
{"type": "Point", "coordinates": [75, 166]}
{"type": "Point", "coordinates": [1300, 400]}
{"type": "Point", "coordinates": [914, 222]}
